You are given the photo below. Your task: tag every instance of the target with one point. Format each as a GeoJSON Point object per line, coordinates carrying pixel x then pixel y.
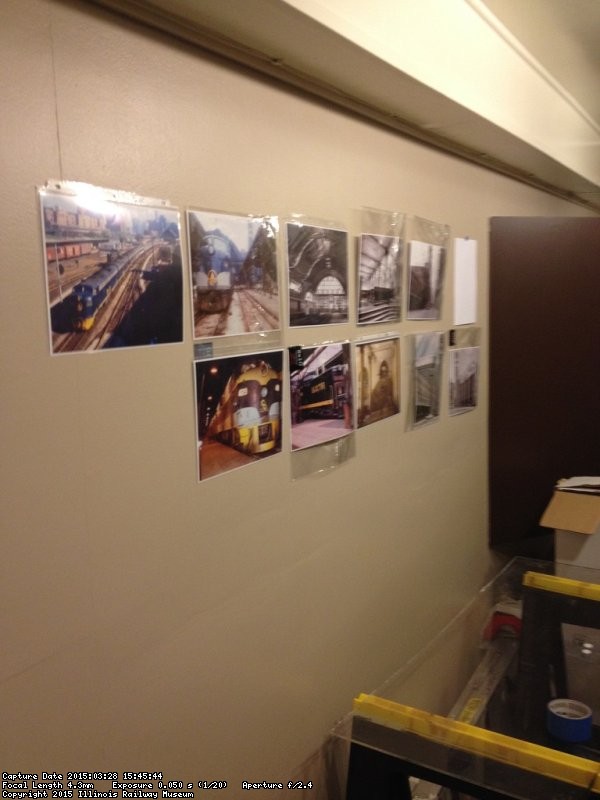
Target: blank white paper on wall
{"type": "Point", "coordinates": [465, 281]}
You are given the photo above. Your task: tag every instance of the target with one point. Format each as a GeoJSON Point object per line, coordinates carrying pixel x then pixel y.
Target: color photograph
{"type": "Point", "coordinates": [238, 411]}
{"type": "Point", "coordinates": [377, 370]}
{"type": "Point", "coordinates": [113, 269]}
{"type": "Point", "coordinates": [233, 262]}
{"type": "Point", "coordinates": [320, 394]}
{"type": "Point", "coordinates": [426, 268]}
{"type": "Point", "coordinates": [427, 377]}
{"type": "Point", "coordinates": [379, 278]}
{"type": "Point", "coordinates": [464, 374]}
{"type": "Point", "coordinates": [317, 275]}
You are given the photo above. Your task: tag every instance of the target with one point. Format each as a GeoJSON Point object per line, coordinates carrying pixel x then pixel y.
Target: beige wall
{"type": "Point", "coordinates": [464, 52]}
{"type": "Point", "coordinates": [211, 630]}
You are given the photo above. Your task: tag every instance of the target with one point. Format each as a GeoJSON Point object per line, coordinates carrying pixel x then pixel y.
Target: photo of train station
{"type": "Point", "coordinates": [317, 261]}
{"type": "Point", "coordinates": [113, 270]}
{"type": "Point", "coordinates": [426, 269]}
{"type": "Point", "coordinates": [379, 293]}
{"type": "Point", "coordinates": [233, 263]}
{"type": "Point", "coordinates": [464, 379]}
{"type": "Point", "coordinates": [427, 354]}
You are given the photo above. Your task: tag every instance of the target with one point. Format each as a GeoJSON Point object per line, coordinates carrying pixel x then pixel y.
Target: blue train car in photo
{"type": "Point", "coordinates": [91, 293]}
{"type": "Point", "coordinates": [217, 264]}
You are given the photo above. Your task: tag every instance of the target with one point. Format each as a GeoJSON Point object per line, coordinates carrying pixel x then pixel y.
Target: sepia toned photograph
{"type": "Point", "coordinates": [233, 262]}
{"type": "Point", "coordinates": [464, 376]}
{"type": "Point", "coordinates": [113, 269]}
{"type": "Point", "coordinates": [317, 261]}
{"type": "Point", "coordinates": [379, 278]}
{"type": "Point", "coordinates": [377, 371]}
{"type": "Point", "coordinates": [238, 411]}
{"type": "Point", "coordinates": [320, 394]}
{"type": "Point", "coordinates": [427, 370]}
{"type": "Point", "coordinates": [426, 268]}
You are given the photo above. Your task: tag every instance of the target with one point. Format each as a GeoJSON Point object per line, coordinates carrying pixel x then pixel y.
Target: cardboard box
{"type": "Point", "coordinates": [575, 516]}
{"type": "Point", "coordinates": [573, 511]}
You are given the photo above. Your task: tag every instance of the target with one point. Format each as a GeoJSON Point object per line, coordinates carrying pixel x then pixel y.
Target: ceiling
{"type": "Point", "coordinates": [564, 36]}
{"type": "Point", "coordinates": [273, 37]}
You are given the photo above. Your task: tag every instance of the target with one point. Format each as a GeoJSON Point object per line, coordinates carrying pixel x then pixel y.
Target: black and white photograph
{"type": "Point", "coordinates": [238, 411]}
{"type": "Point", "coordinates": [464, 375]}
{"type": "Point", "coordinates": [317, 260]}
{"type": "Point", "coordinates": [377, 371]}
{"type": "Point", "coordinates": [233, 262]}
{"type": "Point", "coordinates": [427, 371]}
{"type": "Point", "coordinates": [426, 268]}
{"type": "Point", "coordinates": [320, 393]}
{"type": "Point", "coordinates": [113, 269]}
{"type": "Point", "coordinates": [379, 278]}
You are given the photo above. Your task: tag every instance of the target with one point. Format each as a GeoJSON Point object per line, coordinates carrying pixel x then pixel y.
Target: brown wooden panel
{"type": "Point", "coordinates": [544, 366]}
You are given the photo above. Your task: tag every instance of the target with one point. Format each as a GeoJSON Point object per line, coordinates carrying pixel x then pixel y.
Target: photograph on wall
{"type": "Point", "coordinates": [427, 371]}
{"type": "Point", "coordinates": [379, 278]}
{"type": "Point", "coordinates": [238, 411]}
{"type": "Point", "coordinates": [113, 269]}
{"type": "Point", "coordinates": [377, 371]}
{"type": "Point", "coordinates": [317, 260]}
{"type": "Point", "coordinates": [320, 393]}
{"type": "Point", "coordinates": [233, 262]}
{"type": "Point", "coordinates": [464, 376]}
{"type": "Point", "coordinates": [426, 267]}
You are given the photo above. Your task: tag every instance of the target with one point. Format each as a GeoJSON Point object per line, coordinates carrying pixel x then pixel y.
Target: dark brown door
{"type": "Point", "coordinates": [544, 369]}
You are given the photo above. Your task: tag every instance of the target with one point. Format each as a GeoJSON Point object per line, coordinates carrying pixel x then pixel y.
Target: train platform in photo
{"type": "Point", "coordinates": [215, 458]}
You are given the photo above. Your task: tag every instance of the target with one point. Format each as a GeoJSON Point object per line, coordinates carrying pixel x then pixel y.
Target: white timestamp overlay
{"type": "Point", "coordinates": [19, 785]}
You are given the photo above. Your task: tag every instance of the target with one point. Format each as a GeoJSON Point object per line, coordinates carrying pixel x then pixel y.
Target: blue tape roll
{"type": "Point", "coordinates": [569, 720]}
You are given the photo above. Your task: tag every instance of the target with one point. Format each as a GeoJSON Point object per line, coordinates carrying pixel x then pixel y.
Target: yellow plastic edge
{"type": "Point", "coordinates": [570, 586]}
{"type": "Point", "coordinates": [496, 746]}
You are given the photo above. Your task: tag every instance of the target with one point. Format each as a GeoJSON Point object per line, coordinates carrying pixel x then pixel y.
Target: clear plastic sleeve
{"type": "Point", "coordinates": [234, 278]}
{"type": "Point", "coordinates": [427, 258]}
{"type": "Point", "coordinates": [426, 355]}
{"type": "Point", "coordinates": [380, 266]}
{"type": "Point", "coordinates": [316, 256]}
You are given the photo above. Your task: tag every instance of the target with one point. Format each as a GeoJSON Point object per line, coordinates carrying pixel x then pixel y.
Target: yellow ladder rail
{"type": "Point", "coordinates": [479, 741]}
{"type": "Point", "coordinates": [569, 586]}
